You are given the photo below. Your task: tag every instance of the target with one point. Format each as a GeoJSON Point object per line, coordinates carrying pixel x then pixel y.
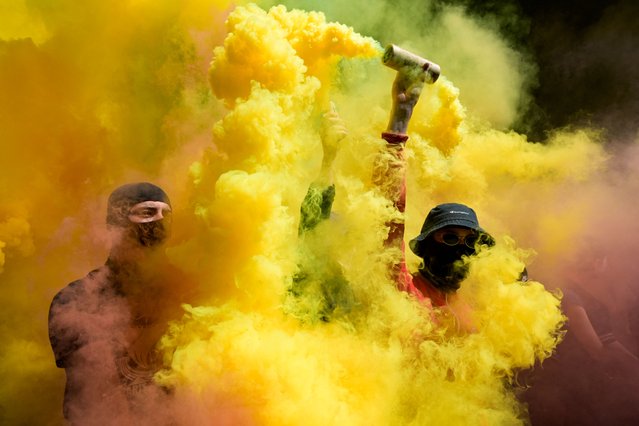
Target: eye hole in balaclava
{"type": "Point", "coordinates": [143, 209]}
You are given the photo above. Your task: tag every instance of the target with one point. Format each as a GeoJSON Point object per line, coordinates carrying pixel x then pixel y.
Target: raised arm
{"type": "Point", "coordinates": [390, 170]}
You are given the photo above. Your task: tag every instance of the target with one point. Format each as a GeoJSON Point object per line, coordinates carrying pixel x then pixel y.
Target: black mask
{"type": "Point", "coordinates": [150, 234]}
{"type": "Point", "coordinates": [443, 265]}
{"type": "Point", "coordinates": [147, 234]}
{"type": "Point", "coordinates": [126, 196]}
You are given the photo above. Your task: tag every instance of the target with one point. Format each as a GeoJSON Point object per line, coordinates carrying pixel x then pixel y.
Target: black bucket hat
{"type": "Point", "coordinates": [448, 214]}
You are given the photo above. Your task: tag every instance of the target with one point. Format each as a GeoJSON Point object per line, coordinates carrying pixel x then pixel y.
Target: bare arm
{"type": "Point", "coordinates": [584, 332]}
{"type": "Point", "coordinates": [586, 335]}
{"type": "Point", "coordinates": [390, 169]}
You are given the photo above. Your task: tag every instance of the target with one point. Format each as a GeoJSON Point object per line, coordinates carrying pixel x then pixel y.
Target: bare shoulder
{"type": "Point", "coordinates": [80, 288]}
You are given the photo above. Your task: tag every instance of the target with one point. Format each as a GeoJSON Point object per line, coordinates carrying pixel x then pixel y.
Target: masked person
{"type": "Point", "coordinates": [104, 327]}
{"type": "Point", "coordinates": [450, 235]}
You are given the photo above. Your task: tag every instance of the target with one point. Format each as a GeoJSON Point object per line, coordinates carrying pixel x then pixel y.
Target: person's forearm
{"type": "Point", "coordinates": [390, 174]}
{"type": "Point", "coordinates": [622, 353]}
{"type": "Point", "coordinates": [401, 114]}
{"type": "Point", "coordinates": [389, 177]}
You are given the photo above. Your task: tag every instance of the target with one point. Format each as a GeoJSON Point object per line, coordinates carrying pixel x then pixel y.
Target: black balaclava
{"type": "Point", "coordinates": [442, 264]}
{"type": "Point", "coordinates": [121, 200]}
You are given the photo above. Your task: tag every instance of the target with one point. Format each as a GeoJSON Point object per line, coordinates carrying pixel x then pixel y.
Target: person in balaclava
{"type": "Point", "coordinates": [104, 327]}
{"type": "Point", "coordinates": [451, 231]}
{"type": "Point", "coordinates": [450, 234]}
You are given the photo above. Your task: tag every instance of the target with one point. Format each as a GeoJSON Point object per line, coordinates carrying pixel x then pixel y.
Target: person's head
{"type": "Point", "coordinates": [142, 211]}
{"type": "Point", "coordinates": [449, 232]}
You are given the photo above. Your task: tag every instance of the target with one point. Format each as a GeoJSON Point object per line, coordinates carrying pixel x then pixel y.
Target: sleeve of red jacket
{"type": "Point", "coordinates": [390, 177]}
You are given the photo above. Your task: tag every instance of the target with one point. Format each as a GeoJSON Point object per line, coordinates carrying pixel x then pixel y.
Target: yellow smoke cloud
{"type": "Point", "coordinates": [383, 361]}
{"type": "Point", "coordinates": [15, 236]}
{"type": "Point", "coordinates": [16, 22]}
{"type": "Point", "coordinates": [95, 96]}
{"type": "Point", "coordinates": [291, 46]}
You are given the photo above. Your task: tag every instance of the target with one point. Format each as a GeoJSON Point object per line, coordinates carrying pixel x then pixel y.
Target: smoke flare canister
{"type": "Point", "coordinates": [397, 58]}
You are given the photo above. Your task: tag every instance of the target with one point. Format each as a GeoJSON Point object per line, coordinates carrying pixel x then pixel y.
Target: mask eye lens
{"type": "Point", "coordinates": [470, 241]}
{"type": "Point", "coordinates": [486, 239]}
{"type": "Point", "coordinates": [450, 239]}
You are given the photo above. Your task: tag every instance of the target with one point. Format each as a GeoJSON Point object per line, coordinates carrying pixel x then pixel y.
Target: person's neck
{"type": "Point", "coordinates": [127, 251]}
